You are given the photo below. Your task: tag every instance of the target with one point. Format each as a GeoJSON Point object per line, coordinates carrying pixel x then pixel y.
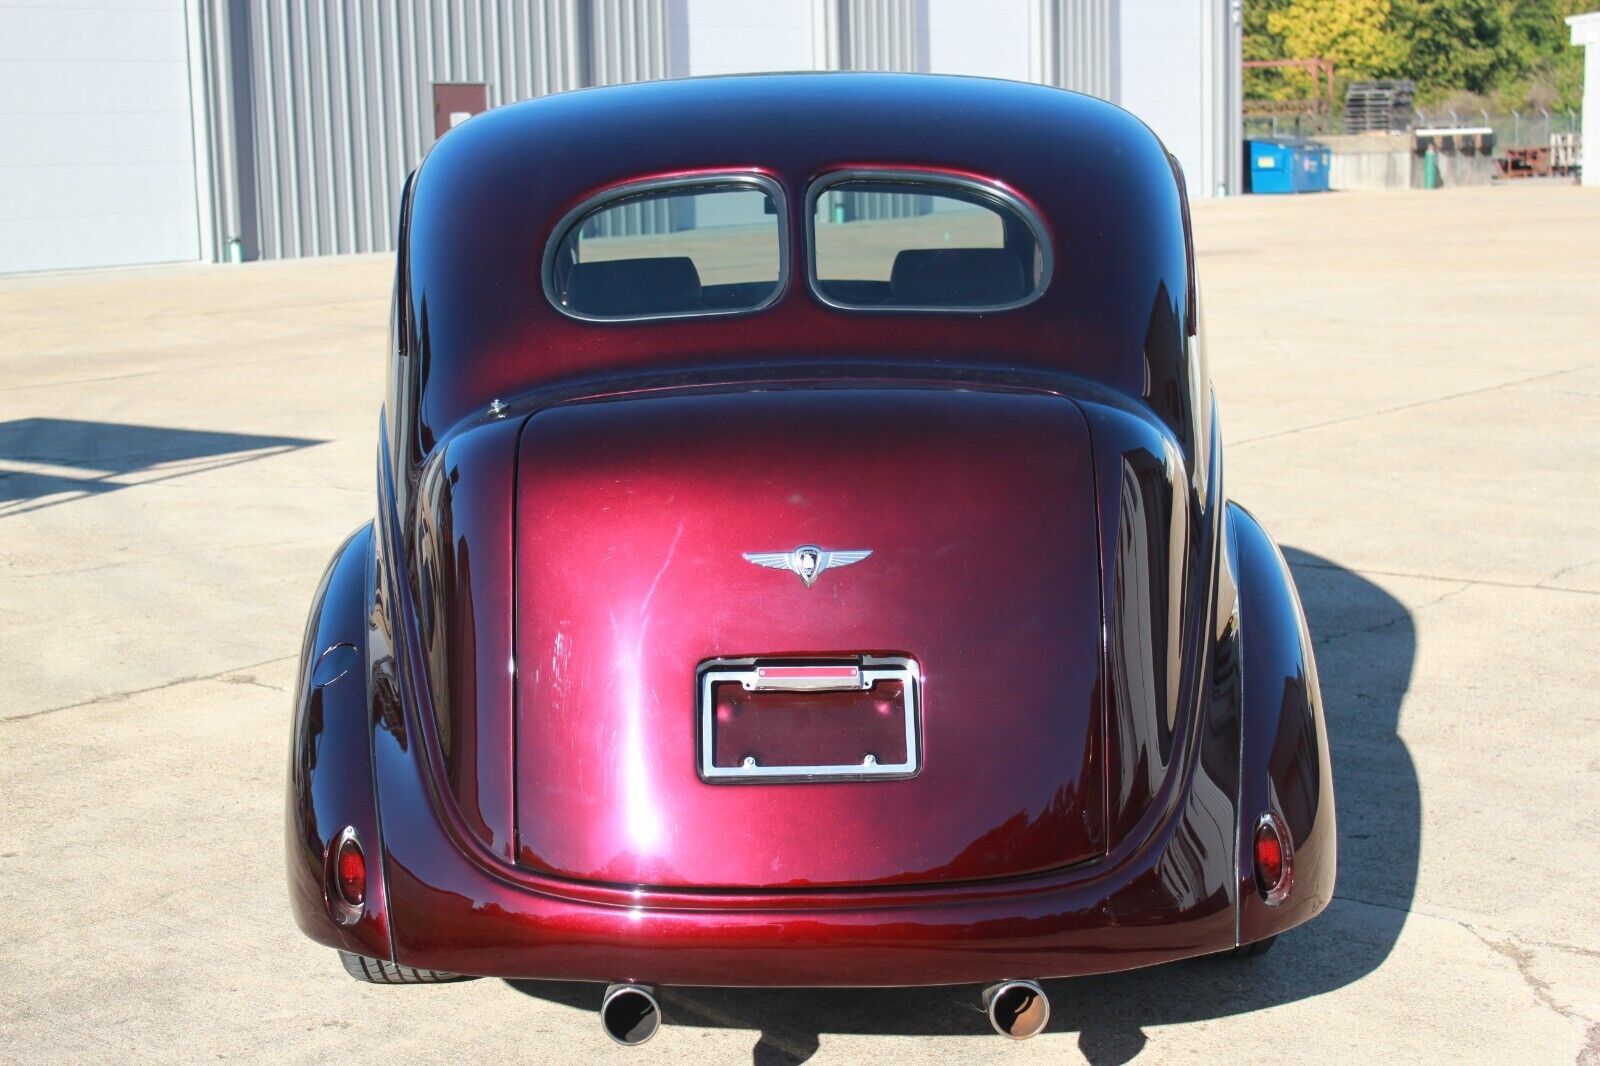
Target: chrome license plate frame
{"type": "Point", "coordinates": [757, 674]}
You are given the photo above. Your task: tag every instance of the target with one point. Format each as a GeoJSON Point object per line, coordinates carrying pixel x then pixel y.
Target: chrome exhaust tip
{"type": "Point", "coordinates": [1018, 1009]}
{"type": "Point", "coordinates": [630, 1013]}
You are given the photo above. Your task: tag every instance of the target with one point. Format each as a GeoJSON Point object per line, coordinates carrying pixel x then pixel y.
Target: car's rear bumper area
{"type": "Point", "coordinates": [1169, 892]}
{"type": "Point", "coordinates": [524, 935]}
{"type": "Point", "coordinates": [1171, 897]}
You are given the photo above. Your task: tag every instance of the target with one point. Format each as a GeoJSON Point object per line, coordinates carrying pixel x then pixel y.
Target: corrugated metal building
{"type": "Point", "coordinates": [163, 130]}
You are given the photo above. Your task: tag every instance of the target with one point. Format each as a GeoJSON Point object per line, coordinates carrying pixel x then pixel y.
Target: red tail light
{"type": "Point", "coordinates": [350, 871]}
{"type": "Point", "coordinates": [1273, 860]}
{"type": "Point", "coordinates": [1269, 857]}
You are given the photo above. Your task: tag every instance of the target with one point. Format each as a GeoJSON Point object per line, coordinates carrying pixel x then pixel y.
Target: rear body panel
{"type": "Point", "coordinates": [1106, 681]}
{"type": "Point", "coordinates": [633, 518]}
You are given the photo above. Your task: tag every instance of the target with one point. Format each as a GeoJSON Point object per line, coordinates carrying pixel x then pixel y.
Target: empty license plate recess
{"type": "Point", "coordinates": [785, 720]}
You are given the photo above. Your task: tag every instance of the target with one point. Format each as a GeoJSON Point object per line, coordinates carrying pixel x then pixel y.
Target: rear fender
{"type": "Point", "coordinates": [330, 765]}
{"type": "Point", "coordinates": [1284, 761]}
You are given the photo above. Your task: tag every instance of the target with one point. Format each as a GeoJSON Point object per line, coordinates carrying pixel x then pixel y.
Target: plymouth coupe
{"type": "Point", "coordinates": [801, 558]}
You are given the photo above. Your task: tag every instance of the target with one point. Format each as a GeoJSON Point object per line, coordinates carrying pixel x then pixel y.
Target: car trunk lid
{"type": "Point", "coordinates": [633, 521]}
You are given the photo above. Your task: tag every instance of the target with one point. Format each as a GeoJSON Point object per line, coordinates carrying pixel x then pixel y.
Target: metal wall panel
{"type": "Point", "coordinates": [211, 51]}
{"type": "Point", "coordinates": [1078, 45]}
{"type": "Point", "coordinates": [630, 40]}
{"type": "Point", "coordinates": [883, 34]}
{"type": "Point", "coordinates": [1226, 93]}
{"type": "Point", "coordinates": [98, 148]}
{"type": "Point", "coordinates": [331, 104]}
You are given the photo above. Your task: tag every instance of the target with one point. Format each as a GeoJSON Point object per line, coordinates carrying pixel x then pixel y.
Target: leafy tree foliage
{"type": "Point", "coordinates": [1515, 53]}
{"type": "Point", "coordinates": [1358, 35]}
{"type": "Point", "coordinates": [1261, 42]}
{"type": "Point", "coordinates": [1463, 44]}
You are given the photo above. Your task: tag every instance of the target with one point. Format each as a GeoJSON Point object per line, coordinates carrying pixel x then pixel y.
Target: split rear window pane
{"type": "Point", "coordinates": [669, 252]}
{"type": "Point", "coordinates": [924, 246]}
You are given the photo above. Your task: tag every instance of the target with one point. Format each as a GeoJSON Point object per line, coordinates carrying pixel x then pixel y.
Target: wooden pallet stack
{"type": "Point", "coordinates": [1379, 106]}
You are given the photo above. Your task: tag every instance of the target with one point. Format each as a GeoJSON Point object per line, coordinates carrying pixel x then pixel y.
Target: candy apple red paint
{"type": "Point", "coordinates": [801, 557]}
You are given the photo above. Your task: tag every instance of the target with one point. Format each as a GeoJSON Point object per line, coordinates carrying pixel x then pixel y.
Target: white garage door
{"type": "Point", "coordinates": [96, 150]}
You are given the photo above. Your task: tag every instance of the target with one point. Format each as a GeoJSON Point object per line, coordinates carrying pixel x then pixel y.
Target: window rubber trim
{"type": "Point", "coordinates": [710, 181]}
{"type": "Point", "coordinates": [992, 192]}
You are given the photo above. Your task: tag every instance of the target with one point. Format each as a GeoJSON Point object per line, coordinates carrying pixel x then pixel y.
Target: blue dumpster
{"type": "Point", "coordinates": [1287, 165]}
{"type": "Point", "coordinates": [1312, 162]}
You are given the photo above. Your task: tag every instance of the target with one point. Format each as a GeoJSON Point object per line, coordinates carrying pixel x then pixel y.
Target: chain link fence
{"type": "Point", "coordinates": [1516, 129]}
{"type": "Point", "coordinates": [1519, 129]}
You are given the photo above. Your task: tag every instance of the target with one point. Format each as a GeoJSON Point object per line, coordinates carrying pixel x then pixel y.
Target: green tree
{"type": "Point", "coordinates": [1459, 44]}
{"type": "Point", "coordinates": [1551, 69]}
{"type": "Point", "coordinates": [1260, 42]}
{"type": "Point", "coordinates": [1358, 35]}
{"type": "Point", "coordinates": [1513, 53]}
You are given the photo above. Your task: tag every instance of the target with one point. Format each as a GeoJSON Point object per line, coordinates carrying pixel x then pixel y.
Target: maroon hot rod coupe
{"type": "Point", "coordinates": [802, 558]}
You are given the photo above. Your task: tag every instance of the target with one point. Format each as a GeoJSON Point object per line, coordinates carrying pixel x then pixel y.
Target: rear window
{"type": "Point", "coordinates": [903, 242]}
{"type": "Point", "coordinates": [671, 249]}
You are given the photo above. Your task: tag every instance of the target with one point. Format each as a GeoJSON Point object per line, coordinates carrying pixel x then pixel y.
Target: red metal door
{"type": "Point", "coordinates": [455, 102]}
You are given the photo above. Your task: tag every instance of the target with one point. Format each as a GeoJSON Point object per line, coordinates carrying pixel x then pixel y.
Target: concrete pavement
{"type": "Point", "coordinates": [1410, 390]}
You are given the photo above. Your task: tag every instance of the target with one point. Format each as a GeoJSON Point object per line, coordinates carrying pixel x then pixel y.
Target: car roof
{"type": "Point", "coordinates": [486, 200]}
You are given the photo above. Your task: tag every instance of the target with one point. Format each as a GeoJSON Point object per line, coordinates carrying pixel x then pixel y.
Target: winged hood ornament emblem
{"type": "Point", "coordinates": [808, 561]}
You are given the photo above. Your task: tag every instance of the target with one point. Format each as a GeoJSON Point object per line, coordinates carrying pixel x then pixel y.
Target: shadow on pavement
{"type": "Point", "coordinates": [49, 461]}
{"type": "Point", "coordinates": [1366, 646]}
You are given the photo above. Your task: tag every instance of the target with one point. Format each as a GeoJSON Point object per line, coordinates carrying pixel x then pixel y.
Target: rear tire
{"type": "Point", "coordinates": [378, 972]}
{"type": "Point", "coordinates": [1249, 951]}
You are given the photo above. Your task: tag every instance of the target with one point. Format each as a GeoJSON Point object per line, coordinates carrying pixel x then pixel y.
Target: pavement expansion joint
{"type": "Point", "coordinates": [1414, 404]}
{"type": "Point", "coordinates": [117, 697]}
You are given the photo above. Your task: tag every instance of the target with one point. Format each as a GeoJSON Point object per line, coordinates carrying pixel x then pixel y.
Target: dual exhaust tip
{"type": "Point", "coordinates": [631, 1014]}
{"type": "Point", "coordinates": [1018, 1009]}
